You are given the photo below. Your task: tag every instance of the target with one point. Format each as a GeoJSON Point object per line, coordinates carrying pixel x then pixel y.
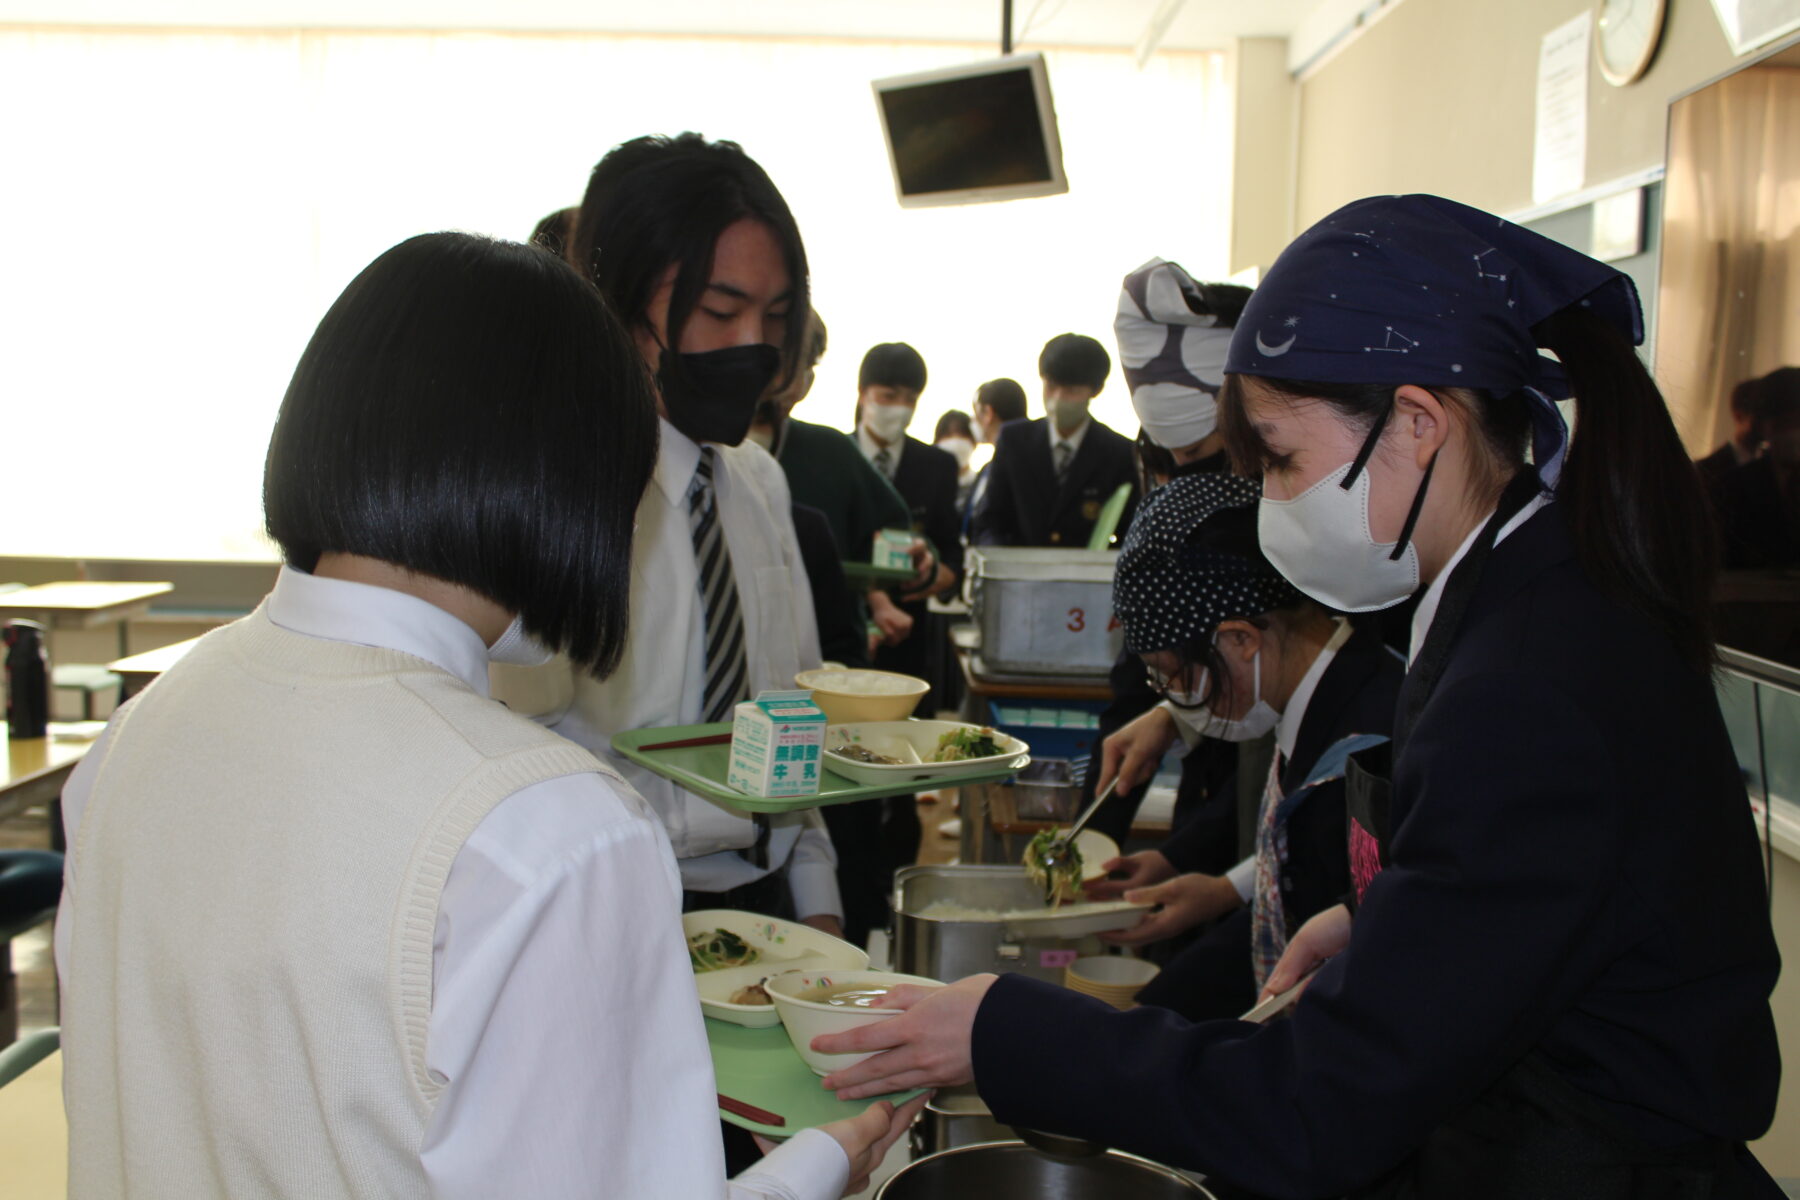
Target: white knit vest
{"type": "Point", "coordinates": [257, 876]}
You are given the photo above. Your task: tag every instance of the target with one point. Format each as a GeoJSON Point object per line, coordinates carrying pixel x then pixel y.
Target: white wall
{"type": "Point", "coordinates": [192, 202]}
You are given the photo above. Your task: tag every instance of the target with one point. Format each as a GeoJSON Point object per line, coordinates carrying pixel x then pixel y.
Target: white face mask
{"type": "Point", "coordinates": [886, 421]}
{"type": "Point", "coordinates": [1198, 716]}
{"type": "Point", "coordinates": [1320, 541]}
{"type": "Point", "coordinates": [961, 447]}
{"type": "Point", "coordinates": [1066, 415]}
{"type": "Point", "coordinates": [516, 648]}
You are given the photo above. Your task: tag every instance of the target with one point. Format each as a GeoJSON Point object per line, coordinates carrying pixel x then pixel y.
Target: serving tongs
{"type": "Point", "coordinates": [1057, 852]}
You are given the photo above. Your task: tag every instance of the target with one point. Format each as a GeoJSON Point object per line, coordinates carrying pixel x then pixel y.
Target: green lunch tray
{"type": "Point", "coordinates": [760, 1069]}
{"type": "Point", "coordinates": [703, 770]}
{"type": "Point", "coordinates": [870, 573]}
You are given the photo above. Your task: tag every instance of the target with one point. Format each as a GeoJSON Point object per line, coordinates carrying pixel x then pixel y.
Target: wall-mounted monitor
{"type": "Point", "coordinates": [974, 133]}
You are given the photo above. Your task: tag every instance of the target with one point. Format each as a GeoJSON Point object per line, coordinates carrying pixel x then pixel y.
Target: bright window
{"type": "Point", "coordinates": [182, 207]}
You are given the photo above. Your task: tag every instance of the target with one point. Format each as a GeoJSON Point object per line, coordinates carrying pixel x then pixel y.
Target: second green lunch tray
{"type": "Point", "coordinates": [703, 770]}
{"type": "Point", "coordinates": [759, 1074]}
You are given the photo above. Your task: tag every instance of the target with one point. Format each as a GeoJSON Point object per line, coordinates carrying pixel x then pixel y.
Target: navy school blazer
{"type": "Point", "coordinates": [1024, 505]}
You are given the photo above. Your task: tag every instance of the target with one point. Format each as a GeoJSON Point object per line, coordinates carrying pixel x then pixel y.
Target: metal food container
{"type": "Point", "coordinates": [1044, 611]}
{"type": "Point", "coordinates": [943, 948]}
{"type": "Point", "coordinates": [956, 1117]}
{"type": "Point", "coordinates": [1005, 1170]}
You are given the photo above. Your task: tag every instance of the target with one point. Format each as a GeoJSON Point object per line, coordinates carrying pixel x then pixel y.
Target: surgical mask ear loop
{"type": "Point", "coordinates": [1418, 501]}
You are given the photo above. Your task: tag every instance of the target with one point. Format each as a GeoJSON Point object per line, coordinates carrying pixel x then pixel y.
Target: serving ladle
{"type": "Point", "coordinates": [1057, 851]}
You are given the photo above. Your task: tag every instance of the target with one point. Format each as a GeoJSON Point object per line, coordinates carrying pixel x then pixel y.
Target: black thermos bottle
{"type": "Point", "coordinates": [27, 680]}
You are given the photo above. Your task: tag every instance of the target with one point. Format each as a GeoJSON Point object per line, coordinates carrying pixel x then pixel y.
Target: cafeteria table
{"type": "Point", "coordinates": [37, 769]}
{"type": "Point", "coordinates": [83, 605]}
{"type": "Point", "coordinates": [138, 670]}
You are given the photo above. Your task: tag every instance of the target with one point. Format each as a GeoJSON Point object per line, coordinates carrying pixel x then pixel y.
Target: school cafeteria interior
{"type": "Point", "coordinates": [193, 184]}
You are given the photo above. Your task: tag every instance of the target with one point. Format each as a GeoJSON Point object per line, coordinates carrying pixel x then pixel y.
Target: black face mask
{"type": "Point", "coordinates": [711, 397]}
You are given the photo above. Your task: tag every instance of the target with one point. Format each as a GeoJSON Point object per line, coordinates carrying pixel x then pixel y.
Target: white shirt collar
{"type": "Point", "coordinates": [1073, 440]}
{"type": "Point", "coordinates": [1434, 595]}
{"type": "Point", "coordinates": [1287, 730]}
{"type": "Point", "coordinates": [677, 457]}
{"type": "Point", "coordinates": [365, 615]}
{"type": "Point", "coordinates": [870, 449]}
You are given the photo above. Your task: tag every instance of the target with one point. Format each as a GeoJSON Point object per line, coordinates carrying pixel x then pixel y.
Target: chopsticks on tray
{"type": "Point", "coordinates": [711, 739]}
{"type": "Point", "coordinates": [749, 1112]}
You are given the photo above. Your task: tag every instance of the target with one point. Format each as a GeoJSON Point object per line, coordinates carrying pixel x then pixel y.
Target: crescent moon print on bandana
{"type": "Point", "coordinates": [1279, 348]}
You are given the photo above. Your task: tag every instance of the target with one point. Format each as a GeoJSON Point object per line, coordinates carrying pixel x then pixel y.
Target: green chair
{"type": "Point", "coordinates": [1108, 520]}
{"type": "Point", "coordinates": [27, 1053]}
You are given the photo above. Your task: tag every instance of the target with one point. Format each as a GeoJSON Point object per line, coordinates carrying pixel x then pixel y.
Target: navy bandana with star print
{"type": "Point", "coordinates": [1423, 290]}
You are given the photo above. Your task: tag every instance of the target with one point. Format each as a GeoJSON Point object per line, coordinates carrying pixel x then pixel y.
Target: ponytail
{"type": "Point", "coordinates": [1643, 531]}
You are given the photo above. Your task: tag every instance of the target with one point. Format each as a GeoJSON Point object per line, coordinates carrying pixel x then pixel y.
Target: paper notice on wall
{"type": "Point", "coordinates": [1559, 165]}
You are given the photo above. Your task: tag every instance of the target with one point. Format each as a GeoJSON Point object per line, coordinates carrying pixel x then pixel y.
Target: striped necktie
{"type": "Point", "coordinates": [727, 671]}
{"type": "Point", "coordinates": [884, 462]}
{"type": "Point", "coordinates": [1064, 453]}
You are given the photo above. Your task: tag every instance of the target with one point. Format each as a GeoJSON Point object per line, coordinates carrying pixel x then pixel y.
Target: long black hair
{"type": "Point", "coordinates": [470, 410]}
{"type": "Point", "coordinates": [656, 202]}
{"type": "Point", "coordinates": [1634, 502]}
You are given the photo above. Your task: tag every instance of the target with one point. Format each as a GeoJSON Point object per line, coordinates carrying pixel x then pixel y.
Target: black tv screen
{"type": "Point", "coordinates": [986, 132]}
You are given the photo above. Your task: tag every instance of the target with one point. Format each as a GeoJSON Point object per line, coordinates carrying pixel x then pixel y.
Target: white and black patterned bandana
{"type": "Point", "coordinates": [1175, 580]}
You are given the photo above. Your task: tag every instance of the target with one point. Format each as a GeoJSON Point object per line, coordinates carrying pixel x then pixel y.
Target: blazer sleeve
{"type": "Point", "coordinates": [945, 530]}
{"type": "Point", "coordinates": [996, 521]}
{"type": "Point", "coordinates": [1489, 925]}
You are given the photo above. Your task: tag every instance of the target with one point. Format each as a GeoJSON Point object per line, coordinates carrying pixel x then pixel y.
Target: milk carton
{"type": "Point", "coordinates": [777, 741]}
{"type": "Point", "coordinates": [893, 549]}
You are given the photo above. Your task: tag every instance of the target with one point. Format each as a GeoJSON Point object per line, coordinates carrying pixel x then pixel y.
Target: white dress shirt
{"type": "Point", "coordinates": [1072, 441]}
{"type": "Point", "coordinates": [871, 448]}
{"type": "Point", "coordinates": [662, 678]}
{"type": "Point", "coordinates": [564, 1020]}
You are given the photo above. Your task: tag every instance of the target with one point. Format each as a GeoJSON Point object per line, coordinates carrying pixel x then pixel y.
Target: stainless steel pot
{"type": "Point", "coordinates": [956, 1117]}
{"type": "Point", "coordinates": [1004, 1170]}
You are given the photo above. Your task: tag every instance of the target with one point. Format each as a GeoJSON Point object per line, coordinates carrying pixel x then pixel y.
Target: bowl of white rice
{"type": "Point", "coordinates": [850, 695]}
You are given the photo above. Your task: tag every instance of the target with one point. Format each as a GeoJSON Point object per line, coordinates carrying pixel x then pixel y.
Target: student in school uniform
{"type": "Point", "coordinates": [1050, 478]}
{"type": "Point", "coordinates": [889, 381]}
{"type": "Point", "coordinates": [1172, 332]}
{"type": "Point", "coordinates": [1237, 653]}
{"type": "Point", "coordinates": [888, 384]}
{"type": "Point", "coordinates": [335, 923]}
{"type": "Point", "coordinates": [696, 250]}
{"type": "Point", "coordinates": [997, 402]}
{"type": "Point", "coordinates": [1555, 983]}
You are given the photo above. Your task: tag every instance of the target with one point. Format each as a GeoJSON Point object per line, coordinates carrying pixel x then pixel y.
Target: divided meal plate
{"type": "Point", "coordinates": [780, 946]}
{"type": "Point", "coordinates": [915, 742]}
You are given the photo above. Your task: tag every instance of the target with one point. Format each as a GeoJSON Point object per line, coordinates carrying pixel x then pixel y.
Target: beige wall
{"type": "Point", "coordinates": [1440, 96]}
{"type": "Point", "coordinates": [1262, 151]}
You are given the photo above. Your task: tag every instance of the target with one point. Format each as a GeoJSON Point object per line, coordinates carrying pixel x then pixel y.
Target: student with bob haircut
{"type": "Point", "coordinates": [334, 922]}
{"type": "Point", "coordinates": [1555, 984]}
{"type": "Point", "coordinates": [694, 248]}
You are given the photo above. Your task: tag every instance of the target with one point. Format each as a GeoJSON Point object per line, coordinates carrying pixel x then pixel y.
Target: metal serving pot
{"type": "Point", "coordinates": [1004, 1170]}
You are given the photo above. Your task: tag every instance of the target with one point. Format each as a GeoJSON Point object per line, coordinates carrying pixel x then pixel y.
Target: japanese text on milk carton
{"type": "Point", "coordinates": [776, 743]}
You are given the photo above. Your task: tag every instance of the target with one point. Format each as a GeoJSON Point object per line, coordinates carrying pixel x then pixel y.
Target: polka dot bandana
{"type": "Point", "coordinates": [1176, 579]}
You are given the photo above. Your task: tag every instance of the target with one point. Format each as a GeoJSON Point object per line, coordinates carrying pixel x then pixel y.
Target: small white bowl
{"type": "Point", "coordinates": [1114, 978]}
{"type": "Point", "coordinates": [858, 694]}
{"type": "Point", "coordinates": [808, 1019]}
